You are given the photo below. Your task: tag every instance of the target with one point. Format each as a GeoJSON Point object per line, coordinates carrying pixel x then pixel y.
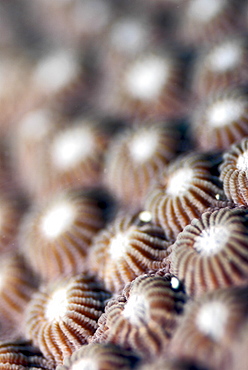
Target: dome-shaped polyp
{"type": "Point", "coordinates": [55, 235]}
{"type": "Point", "coordinates": [212, 251]}
{"type": "Point", "coordinates": [72, 157]}
{"type": "Point", "coordinates": [126, 249]}
{"type": "Point", "coordinates": [143, 318]}
{"type": "Point", "coordinates": [220, 66]}
{"type": "Point", "coordinates": [136, 158]}
{"type": "Point", "coordinates": [209, 327]}
{"type": "Point", "coordinates": [63, 315]}
{"type": "Point", "coordinates": [220, 120]}
{"type": "Point", "coordinates": [185, 189]}
{"type": "Point", "coordinates": [148, 84]}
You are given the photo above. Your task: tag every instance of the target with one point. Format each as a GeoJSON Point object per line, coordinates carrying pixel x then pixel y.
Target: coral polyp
{"type": "Point", "coordinates": [123, 184]}
{"type": "Point", "coordinates": [63, 315]}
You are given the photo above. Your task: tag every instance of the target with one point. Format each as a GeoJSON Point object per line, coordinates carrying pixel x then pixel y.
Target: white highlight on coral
{"type": "Point", "coordinates": [57, 220]}
{"type": "Point", "coordinates": [136, 310]}
{"type": "Point", "coordinates": [175, 282]}
{"type": "Point", "coordinates": [242, 162]}
{"type": "Point", "coordinates": [143, 146]}
{"type": "Point", "coordinates": [72, 146]}
{"type": "Point", "coordinates": [180, 181]}
{"type": "Point", "coordinates": [57, 305]}
{"type": "Point", "coordinates": [146, 78]}
{"type": "Point", "coordinates": [225, 112]}
{"type": "Point", "coordinates": [225, 57]}
{"type": "Point", "coordinates": [118, 246]}
{"type": "Point", "coordinates": [56, 71]}
{"type": "Point", "coordinates": [145, 216]}
{"type": "Point", "coordinates": [212, 240]}
{"type": "Point", "coordinates": [211, 320]}
{"type": "Point", "coordinates": [205, 10]}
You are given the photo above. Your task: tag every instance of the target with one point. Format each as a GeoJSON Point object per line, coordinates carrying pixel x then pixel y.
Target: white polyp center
{"type": "Point", "coordinates": [72, 146]}
{"type": "Point", "coordinates": [205, 10]}
{"type": "Point", "coordinates": [242, 162]}
{"type": "Point", "coordinates": [145, 216]}
{"type": "Point", "coordinates": [180, 181]}
{"type": "Point", "coordinates": [136, 310]}
{"type": "Point", "coordinates": [143, 146]}
{"type": "Point", "coordinates": [35, 125]}
{"type": "Point", "coordinates": [211, 320]}
{"type": "Point", "coordinates": [146, 78]}
{"type": "Point", "coordinates": [85, 364]}
{"type": "Point", "coordinates": [57, 220]}
{"type": "Point", "coordinates": [225, 57]}
{"type": "Point", "coordinates": [118, 246]}
{"type": "Point", "coordinates": [130, 30]}
{"type": "Point", "coordinates": [55, 71]}
{"type": "Point", "coordinates": [57, 305]}
{"type": "Point", "coordinates": [224, 112]}
{"type": "Point", "coordinates": [212, 240]}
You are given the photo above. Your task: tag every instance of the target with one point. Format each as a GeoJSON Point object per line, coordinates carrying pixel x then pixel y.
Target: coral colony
{"type": "Point", "coordinates": [124, 184]}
